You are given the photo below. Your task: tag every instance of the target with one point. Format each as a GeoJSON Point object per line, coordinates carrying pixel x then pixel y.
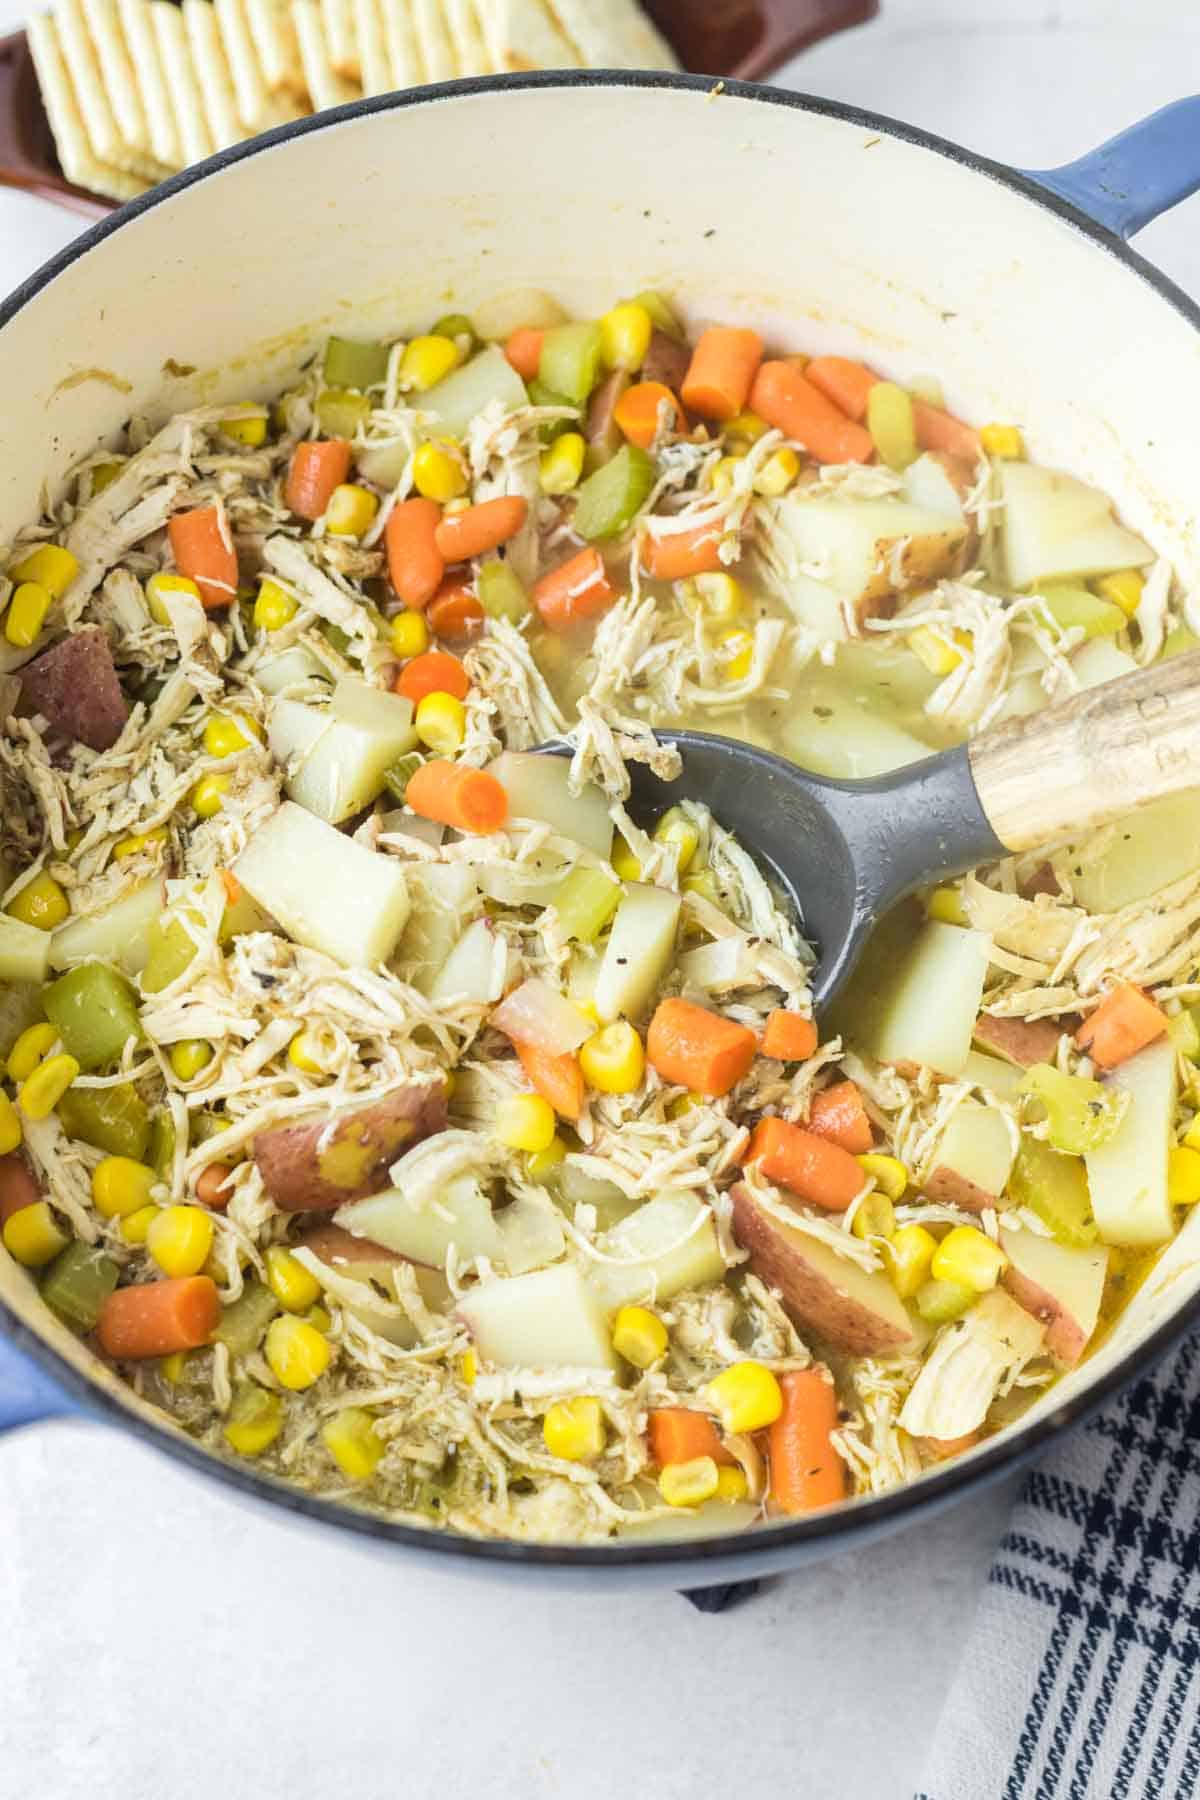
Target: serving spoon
{"type": "Point", "coordinates": [846, 851]}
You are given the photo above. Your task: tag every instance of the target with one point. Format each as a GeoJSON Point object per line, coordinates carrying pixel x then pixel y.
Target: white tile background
{"type": "Point", "coordinates": [162, 1643]}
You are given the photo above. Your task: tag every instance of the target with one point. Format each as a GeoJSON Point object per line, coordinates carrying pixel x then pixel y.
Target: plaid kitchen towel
{"type": "Point", "coordinates": [1081, 1677]}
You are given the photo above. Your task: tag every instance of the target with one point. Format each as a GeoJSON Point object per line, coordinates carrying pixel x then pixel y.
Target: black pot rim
{"type": "Point", "coordinates": [772, 1546]}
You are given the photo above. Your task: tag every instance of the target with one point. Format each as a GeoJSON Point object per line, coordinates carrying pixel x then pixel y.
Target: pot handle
{"type": "Point", "coordinates": [27, 1393]}
{"type": "Point", "coordinates": [1135, 176]}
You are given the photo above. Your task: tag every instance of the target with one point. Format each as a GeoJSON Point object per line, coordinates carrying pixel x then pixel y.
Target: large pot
{"type": "Point", "coordinates": [833, 230]}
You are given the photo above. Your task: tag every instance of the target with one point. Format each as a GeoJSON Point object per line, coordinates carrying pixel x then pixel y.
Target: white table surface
{"type": "Point", "coordinates": [163, 1643]}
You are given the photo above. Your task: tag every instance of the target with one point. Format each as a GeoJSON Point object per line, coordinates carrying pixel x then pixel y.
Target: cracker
{"type": "Point", "coordinates": [337, 16]}
{"type": "Point", "coordinates": [403, 48]}
{"type": "Point", "coordinates": [372, 47]}
{"type": "Point", "coordinates": [120, 83]}
{"type": "Point", "coordinates": [325, 85]}
{"type": "Point", "coordinates": [437, 52]}
{"type": "Point", "coordinates": [257, 108]}
{"type": "Point", "coordinates": [71, 140]}
{"type": "Point", "coordinates": [521, 34]}
{"type": "Point", "coordinates": [166, 142]}
{"type": "Point", "coordinates": [183, 85]}
{"type": "Point", "coordinates": [212, 73]}
{"type": "Point", "coordinates": [615, 35]}
{"type": "Point", "coordinates": [276, 46]}
{"type": "Point", "coordinates": [466, 34]}
{"type": "Point", "coordinates": [83, 67]}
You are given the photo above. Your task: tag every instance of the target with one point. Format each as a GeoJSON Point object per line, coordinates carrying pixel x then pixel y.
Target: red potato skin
{"type": "Point", "coordinates": [948, 1188]}
{"type": "Point", "coordinates": [601, 429]}
{"type": "Point", "coordinates": [333, 1245]}
{"type": "Point", "coordinates": [75, 685]}
{"type": "Point", "coordinates": [666, 360]}
{"type": "Point", "coordinates": [1065, 1339]}
{"type": "Point", "coordinates": [1021, 1041]}
{"type": "Point", "coordinates": [319, 1164]}
{"type": "Point", "coordinates": [18, 1187]}
{"type": "Point", "coordinates": [808, 1298]}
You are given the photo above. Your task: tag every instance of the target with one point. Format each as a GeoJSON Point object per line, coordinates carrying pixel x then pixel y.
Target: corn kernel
{"type": "Point", "coordinates": [32, 1045]}
{"type": "Point", "coordinates": [625, 334]}
{"type": "Point", "coordinates": [745, 427]}
{"type": "Point", "coordinates": [1191, 1136]}
{"type": "Point", "coordinates": [353, 1442]}
{"type": "Point", "coordinates": [1004, 441]}
{"type": "Point", "coordinates": [41, 1092]}
{"type": "Point", "coordinates": [686, 1103]}
{"type": "Point", "coordinates": [969, 1258]}
{"type": "Point", "coordinates": [639, 1336]}
{"type": "Point", "coordinates": [26, 614]}
{"type": "Point", "coordinates": [426, 361]}
{"type": "Point", "coordinates": [739, 649]}
{"type": "Point", "coordinates": [562, 464]}
{"type": "Point", "coordinates": [254, 1421]}
{"type": "Point", "coordinates": [539, 1163]}
{"type": "Point", "coordinates": [162, 584]}
{"type": "Point", "coordinates": [136, 1228]}
{"type": "Point", "coordinates": [777, 473]}
{"type": "Point", "coordinates": [410, 635]}
{"type": "Point", "coordinates": [351, 510]}
{"type": "Point", "coordinates": [11, 1131]}
{"type": "Point", "coordinates": [249, 431]}
{"type": "Point", "coordinates": [173, 1367]}
{"type": "Point", "coordinates": [746, 1395]}
{"type": "Point", "coordinates": [721, 480]}
{"type": "Point", "coordinates": [188, 1057]}
{"type": "Point", "coordinates": [468, 1367]}
{"type": "Point", "coordinates": [121, 1186]}
{"type": "Point", "coordinates": [888, 1173]}
{"type": "Point", "coordinates": [676, 828]}
{"type": "Point", "coordinates": [946, 904]}
{"type": "Point", "coordinates": [274, 607]}
{"type": "Point", "coordinates": [295, 1287]}
{"type": "Point", "coordinates": [225, 735]}
{"type": "Point", "coordinates": [1124, 587]}
{"type": "Point", "coordinates": [208, 795]}
{"type": "Point", "coordinates": [41, 902]}
{"type": "Point", "coordinates": [304, 1053]}
{"type": "Point", "coordinates": [50, 566]}
{"type": "Point", "coordinates": [625, 864]}
{"type": "Point", "coordinates": [1183, 1176]}
{"type": "Point", "coordinates": [689, 1483]}
{"type": "Point", "coordinates": [732, 1486]}
{"type": "Point", "coordinates": [909, 1254]}
{"type": "Point", "coordinates": [440, 723]}
{"type": "Point", "coordinates": [438, 474]}
{"type": "Point", "coordinates": [180, 1239]}
{"type": "Point", "coordinates": [614, 1061]}
{"type": "Point", "coordinates": [32, 1235]}
{"type": "Point", "coordinates": [574, 1429]}
{"type": "Point", "coordinates": [935, 649]}
{"type": "Point", "coordinates": [525, 1122]}
{"type": "Point", "coordinates": [297, 1354]}
{"type": "Point", "coordinates": [716, 595]}
{"type": "Point", "coordinates": [139, 841]}
{"type": "Point", "coordinates": [874, 1216]}
{"type": "Point", "coordinates": [704, 883]}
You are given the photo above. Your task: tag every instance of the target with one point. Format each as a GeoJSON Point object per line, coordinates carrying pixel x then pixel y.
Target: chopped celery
{"type": "Point", "coordinates": [608, 501]}
{"type": "Point", "coordinates": [397, 777]}
{"type": "Point", "coordinates": [1073, 607]}
{"type": "Point", "coordinates": [20, 1006]}
{"type": "Point", "coordinates": [662, 313]}
{"type": "Point", "coordinates": [243, 1323]}
{"type": "Point", "coordinates": [1054, 1188]}
{"type": "Point", "coordinates": [77, 1284]}
{"type": "Point", "coordinates": [113, 1119]}
{"type": "Point", "coordinates": [570, 361]}
{"type": "Point", "coordinates": [455, 326]}
{"type": "Point", "coordinates": [95, 1013]}
{"type": "Point", "coordinates": [1184, 1033]}
{"type": "Point", "coordinates": [585, 903]}
{"type": "Point", "coordinates": [353, 365]}
{"type": "Point", "coordinates": [171, 949]}
{"type": "Point", "coordinates": [340, 412]}
{"type": "Point", "coordinates": [1179, 642]}
{"type": "Point", "coordinates": [890, 422]}
{"type": "Point", "coordinates": [541, 395]}
{"type": "Point", "coordinates": [162, 1144]}
{"type": "Point", "coordinates": [501, 591]}
{"type": "Point", "coordinates": [940, 1301]}
{"type": "Point", "coordinates": [241, 916]}
{"type": "Point", "coordinates": [1080, 1114]}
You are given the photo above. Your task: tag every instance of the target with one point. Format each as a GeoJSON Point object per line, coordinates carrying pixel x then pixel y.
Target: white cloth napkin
{"type": "Point", "coordinates": [1081, 1676]}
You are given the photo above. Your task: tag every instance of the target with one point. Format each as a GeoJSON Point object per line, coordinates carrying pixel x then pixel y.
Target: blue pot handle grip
{"type": "Point", "coordinates": [1137, 175]}
{"type": "Point", "coordinates": [27, 1393]}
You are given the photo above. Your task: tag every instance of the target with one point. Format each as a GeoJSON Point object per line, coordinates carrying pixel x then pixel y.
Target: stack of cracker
{"type": "Point", "coordinates": [136, 89]}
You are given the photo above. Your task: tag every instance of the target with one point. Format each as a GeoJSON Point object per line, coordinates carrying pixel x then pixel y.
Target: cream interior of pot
{"type": "Point", "coordinates": [831, 235]}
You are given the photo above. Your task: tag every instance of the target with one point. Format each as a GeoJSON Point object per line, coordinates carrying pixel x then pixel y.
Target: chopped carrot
{"type": "Point", "coordinates": [558, 1079]}
{"type": "Point", "coordinates": [415, 564]}
{"type": "Point", "coordinates": [814, 1168]}
{"type": "Point", "coordinates": [638, 413]}
{"type": "Point", "coordinates": [157, 1318]}
{"type": "Point", "coordinates": [468, 799]}
{"type": "Point", "coordinates": [938, 430]}
{"type": "Point", "coordinates": [944, 1448]}
{"type": "Point", "coordinates": [577, 589]}
{"type": "Point", "coordinates": [1125, 1021]}
{"type": "Point", "coordinates": [232, 886]}
{"type": "Point", "coordinates": [678, 554]}
{"type": "Point", "coordinates": [838, 1113]}
{"type": "Point", "coordinates": [789, 1036]}
{"type": "Point", "coordinates": [317, 467]}
{"type": "Point", "coordinates": [204, 552]}
{"type": "Point", "coordinates": [454, 612]}
{"type": "Point", "coordinates": [524, 351]}
{"type": "Point", "coordinates": [806, 1470]}
{"type": "Point", "coordinates": [848, 384]}
{"type": "Point", "coordinates": [721, 372]}
{"type": "Point", "coordinates": [698, 1049]}
{"type": "Point", "coordinates": [210, 1186]}
{"type": "Point", "coordinates": [677, 1434]}
{"type": "Point", "coordinates": [785, 398]}
{"type": "Point", "coordinates": [433, 672]}
{"type": "Point", "coordinates": [18, 1189]}
{"type": "Point", "coordinates": [462, 535]}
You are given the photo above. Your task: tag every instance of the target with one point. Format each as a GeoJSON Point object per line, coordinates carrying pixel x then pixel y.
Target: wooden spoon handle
{"type": "Point", "coordinates": [1096, 756]}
